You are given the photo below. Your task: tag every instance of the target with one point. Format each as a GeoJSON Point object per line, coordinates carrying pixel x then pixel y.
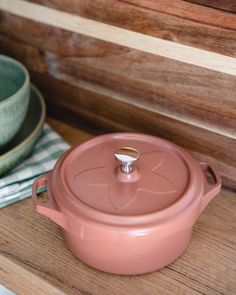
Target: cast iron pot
{"type": "Point", "coordinates": [127, 202]}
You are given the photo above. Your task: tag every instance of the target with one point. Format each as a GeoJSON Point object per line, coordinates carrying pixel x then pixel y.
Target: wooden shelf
{"type": "Point", "coordinates": [34, 259]}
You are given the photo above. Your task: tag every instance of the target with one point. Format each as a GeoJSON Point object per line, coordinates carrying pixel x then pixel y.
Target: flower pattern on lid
{"type": "Point", "coordinates": [150, 186]}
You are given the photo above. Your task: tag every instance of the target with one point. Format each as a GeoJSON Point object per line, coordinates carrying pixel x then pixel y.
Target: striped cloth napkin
{"type": "Point", "coordinates": [16, 185]}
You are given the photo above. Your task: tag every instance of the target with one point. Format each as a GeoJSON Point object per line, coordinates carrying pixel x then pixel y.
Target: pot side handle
{"type": "Point", "coordinates": [48, 208]}
{"type": "Point", "coordinates": [210, 190]}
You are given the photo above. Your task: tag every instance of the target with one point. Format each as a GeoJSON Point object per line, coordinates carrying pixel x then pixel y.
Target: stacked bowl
{"type": "Point", "coordinates": [22, 113]}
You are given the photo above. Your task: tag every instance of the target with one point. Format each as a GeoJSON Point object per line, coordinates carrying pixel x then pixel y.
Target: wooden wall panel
{"type": "Point", "coordinates": [121, 36]}
{"type": "Point", "coordinates": [191, 11]}
{"type": "Point", "coordinates": [227, 5]}
{"type": "Point", "coordinates": [172, 88]}
{"type": "Point", "coordinates": [159, 24]}
{"type": "Point", "coordinates": [122, 88]}
{"type": "Point", "coordinates": [103, 106]}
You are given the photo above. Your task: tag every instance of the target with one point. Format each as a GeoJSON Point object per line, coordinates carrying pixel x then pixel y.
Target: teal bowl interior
{"type": "Point", "coordinates": [12, 77]}
{"type": "Point", "coordinates": [14, 97]}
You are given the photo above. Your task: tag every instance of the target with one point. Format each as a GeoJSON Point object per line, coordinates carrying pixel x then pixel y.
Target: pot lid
{"type": "Point", "coordinates": [126, 174]}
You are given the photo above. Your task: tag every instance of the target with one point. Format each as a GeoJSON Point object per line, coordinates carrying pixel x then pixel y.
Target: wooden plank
{"type": "Point", "coordinates": [23, 281]}
{"type": "Point", "coordinates": [33, 246]}
{"type": "Point", "coordinates": [85, 97]}
{"type": "Point", "coordinates": [200, 27]}
{"type": "Point", "coordinates": [84, 84]}
{"type": "Point", "coordinates": [227, 5]}
{"type": "Point", "coordinates": [120, 36]}
{"type": "Point", "coordinates": [171, 88]}
{"type": "Point", "coordinates": [186, 10]}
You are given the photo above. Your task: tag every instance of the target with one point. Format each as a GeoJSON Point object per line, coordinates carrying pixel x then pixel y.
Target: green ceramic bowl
{"type": "Point", "coordinates": [22, 144]}
{"type": "Point", "coordinates": [14, 97]}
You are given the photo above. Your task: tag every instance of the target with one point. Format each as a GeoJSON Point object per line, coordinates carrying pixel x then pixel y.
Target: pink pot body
{"type": "Point", "coordinates": [129, 257]}
{"type": "Point", "coordinates": [128, 244]}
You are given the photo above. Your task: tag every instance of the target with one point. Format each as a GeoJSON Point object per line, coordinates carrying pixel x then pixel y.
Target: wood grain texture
{"type": "Point", "coordinates": [182, 104]}
{"type": "Point", "coordinates": [182, 22]}
{"type": "Point", "coordinates": [31, 246]}
{"type": "Point", "coordinates": [120, 36]}
{"type": "Point", "coordinates": [130, 89]}
{"type": "Point", "coordinates": [22, 280]}
{"type": "Point", "coordinates": [227, 5]}
{"type": "Point", "coordinates": [186, 10]}
{"type": "Point", "coordinates": [171, 88]}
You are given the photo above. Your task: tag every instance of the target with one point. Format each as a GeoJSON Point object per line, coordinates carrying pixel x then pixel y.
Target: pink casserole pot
{"type": "Point", "coordinates": [127, 202]}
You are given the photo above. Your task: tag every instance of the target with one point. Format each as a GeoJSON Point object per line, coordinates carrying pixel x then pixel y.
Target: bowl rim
{"type": "Point", "coordinates": [23, 86]}
{"type": "Point", "coordinates": [35, 131]}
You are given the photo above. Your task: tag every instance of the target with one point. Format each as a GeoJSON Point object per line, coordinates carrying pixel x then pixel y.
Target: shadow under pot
{"type": "Point", "coordinates": [127, 202]}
